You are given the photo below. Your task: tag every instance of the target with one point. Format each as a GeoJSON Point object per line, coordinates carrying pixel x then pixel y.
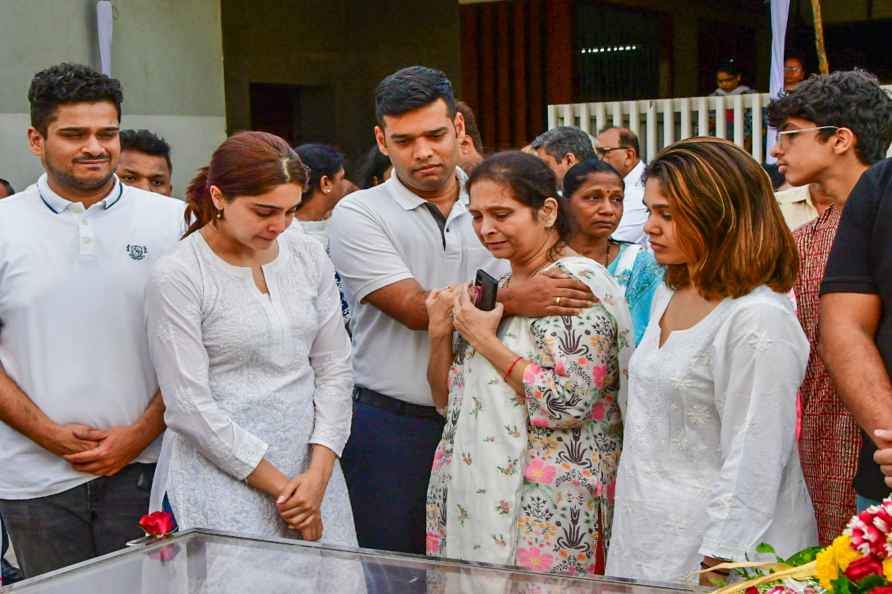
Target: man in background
{"type": "Point", "coordinates": [561, 148]}
{"type": "Point", "coordinates": [145, 162]}
{"type": "Point", "coordinates": [5, 188]}
{"type": "Point", "coordinates": [470, 148]}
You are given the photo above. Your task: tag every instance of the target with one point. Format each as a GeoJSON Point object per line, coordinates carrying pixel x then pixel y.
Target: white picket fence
{"type": "Point", "coordinates": [660, 122]}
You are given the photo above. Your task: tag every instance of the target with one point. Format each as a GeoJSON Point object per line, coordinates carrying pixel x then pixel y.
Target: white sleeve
{"type": "Point", "coordinates": [631, 226]}
{"type": "Point", "coordinates": [362, 252]}
{"type": "Point", "coordinates": [330, 359]}
{"type": "Point", "coordinates": [759, 361]}
{"type": "Point", "coordinates": [173, 320]}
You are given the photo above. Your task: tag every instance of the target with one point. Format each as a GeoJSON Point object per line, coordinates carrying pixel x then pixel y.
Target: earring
{"type": "Point", "coordinates": [219, 214]}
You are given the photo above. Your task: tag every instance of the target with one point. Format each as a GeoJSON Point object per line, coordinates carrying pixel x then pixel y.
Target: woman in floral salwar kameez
{"type": "Point", "coordinates": [524, 474]}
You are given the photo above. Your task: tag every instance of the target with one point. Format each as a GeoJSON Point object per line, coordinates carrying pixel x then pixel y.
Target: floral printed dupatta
{"type": "Point", "coordinates": [490, 442]}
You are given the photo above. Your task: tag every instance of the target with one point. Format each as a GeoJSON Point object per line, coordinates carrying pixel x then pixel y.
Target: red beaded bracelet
{"type": "Point", "coordinates": [510, 369]}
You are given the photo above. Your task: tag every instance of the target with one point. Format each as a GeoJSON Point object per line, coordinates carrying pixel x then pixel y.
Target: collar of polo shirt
{"type": "Point", "coordinates": [58, 205]}
{"type": "Point", "coordinates": [409, 200]}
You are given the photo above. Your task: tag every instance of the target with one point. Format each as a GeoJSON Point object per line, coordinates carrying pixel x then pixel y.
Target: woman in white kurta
{"type": "Point", "coordinates": [253, 360]}
{"type": "Point", "coordinates": [710, 468]}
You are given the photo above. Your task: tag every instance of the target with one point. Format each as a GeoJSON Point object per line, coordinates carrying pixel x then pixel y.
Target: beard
{"type": "Point", "coordinates": [69, 180]}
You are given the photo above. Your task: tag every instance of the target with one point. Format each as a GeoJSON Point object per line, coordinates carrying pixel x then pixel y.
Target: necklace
{"type": "Point", "coordinates": [607, 255]}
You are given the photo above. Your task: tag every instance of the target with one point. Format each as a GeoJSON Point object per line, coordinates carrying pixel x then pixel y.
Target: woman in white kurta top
{"type": "Point", "coordinates": [250, 378]}
{"type": "Point", "coordinates": [710, 467]}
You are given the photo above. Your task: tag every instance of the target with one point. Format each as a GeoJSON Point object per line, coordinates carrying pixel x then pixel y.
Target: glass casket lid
{"type": "Point", "coordinates": [199, 562]}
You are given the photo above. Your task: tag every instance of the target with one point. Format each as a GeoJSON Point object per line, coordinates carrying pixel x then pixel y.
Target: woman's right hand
{"type": "Point", "coordinates": [439, 304]}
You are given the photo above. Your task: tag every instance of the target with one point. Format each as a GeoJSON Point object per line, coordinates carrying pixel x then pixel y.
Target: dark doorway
{"type": "Point", "coordinates": [617, 53]}
{"type": "Point", "coordinates": [297, 113]}
{"type": "Point", "coordinates": [718, 42]}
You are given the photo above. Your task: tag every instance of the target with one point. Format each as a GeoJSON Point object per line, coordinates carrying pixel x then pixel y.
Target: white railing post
{"type": "Point", "coordinates": [757, 126]}
{"type": "Point", "coordinates": [616, 107]}
{"type": "Point", "coordinates": [685, 106]}
{"type": "Point", "coordinates": [748, 125]}
{"type": "Point", "coordinates": [600, 116]}
{"type": "Point", "coordinates": [651, 131]}
{"type": "Point", "coordinates": [567, 111]}
{"type": "Point", "coordinates": [721, 121]}
{"type": "Point", "coordinates": [634, 118]}
{"type": "Point", "coordinates": [668, 123]}
{"type": "Point", "coordinates": [738, 120]}
{"type": "Point", "coordinates": [702, 117]}
{"type": "Point", "coordinates": [585, 119]}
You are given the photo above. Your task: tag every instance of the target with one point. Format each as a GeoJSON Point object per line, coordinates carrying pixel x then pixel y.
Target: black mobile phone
{"type": "Point", "coordinates": [487, 288]}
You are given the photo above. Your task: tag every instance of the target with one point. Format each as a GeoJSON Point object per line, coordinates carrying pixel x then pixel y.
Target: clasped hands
{"type": "Point", "coordinates": [453, 308]}
{"type": "Point", "coordinates": [101, 452]}
{"type": "Point", "coordinates": [300, 504]}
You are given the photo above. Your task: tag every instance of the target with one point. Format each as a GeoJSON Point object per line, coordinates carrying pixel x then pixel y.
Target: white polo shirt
{"type": "Point", "coordinates": [71, 305]}
{"type": "Point", "coordinates": [384, 235]}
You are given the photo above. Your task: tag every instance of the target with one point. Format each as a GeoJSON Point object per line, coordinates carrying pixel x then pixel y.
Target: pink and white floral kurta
{"type": "Point", "coordinates": [531, 483]}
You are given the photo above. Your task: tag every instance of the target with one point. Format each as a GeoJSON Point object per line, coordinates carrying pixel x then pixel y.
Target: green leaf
{"type": "Point", "coordinates": [766, 549]}
{"type": "Point", "coordinates": [871, 582]}
{"type": "Point", "coordinates": [842, 585]}
{"type": "Point", "coordinates": [804, 556]}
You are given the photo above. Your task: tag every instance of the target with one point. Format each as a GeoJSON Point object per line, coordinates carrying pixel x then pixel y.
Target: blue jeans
{"type": "Point", "coordinates": [92, 519]}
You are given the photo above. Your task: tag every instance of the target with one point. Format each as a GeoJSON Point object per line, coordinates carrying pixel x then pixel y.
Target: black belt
{"type": "Point", "coordinates": [379, 400]}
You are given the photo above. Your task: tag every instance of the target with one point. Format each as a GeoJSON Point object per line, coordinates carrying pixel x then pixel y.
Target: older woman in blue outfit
{"type": "Point", "coordinates": [594, 192]}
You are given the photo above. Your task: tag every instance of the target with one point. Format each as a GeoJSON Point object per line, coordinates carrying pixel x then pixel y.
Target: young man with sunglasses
{"type": "Point", "coordinates": [831, 130]}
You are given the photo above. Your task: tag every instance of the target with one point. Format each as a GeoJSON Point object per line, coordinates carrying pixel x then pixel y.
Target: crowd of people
{"type": "Point", "coordinates": [667, 376]}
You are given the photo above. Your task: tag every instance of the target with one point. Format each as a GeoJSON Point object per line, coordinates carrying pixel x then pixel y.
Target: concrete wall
{"type": "Point", "coordinates": [167, 54]}
{"type": "Point", "coordinates": [347, 44]}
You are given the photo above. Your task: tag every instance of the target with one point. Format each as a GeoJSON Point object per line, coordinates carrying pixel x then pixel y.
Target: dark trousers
{"type": "Point", "coordinates": [387, 464]}
{"type": "Point", "coordinates": [93, 519]}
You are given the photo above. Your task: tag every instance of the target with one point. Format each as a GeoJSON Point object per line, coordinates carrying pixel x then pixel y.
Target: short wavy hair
{"type": "Point", "coordinates": [727, 220]}
{"type": "Point", "coordinates": [69, 83]}
{"type": "Point", "coordinates": [850, 99]}
{"type": "Point", "coordinates": [148, 143]}
{"type": "Point", "coordinates": [560, 141]}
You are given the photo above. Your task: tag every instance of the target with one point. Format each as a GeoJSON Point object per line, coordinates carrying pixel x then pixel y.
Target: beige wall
{"type": "Point", "coordinates": [167, 54]}
{"type": "Point", "coordinates": [347, 44]}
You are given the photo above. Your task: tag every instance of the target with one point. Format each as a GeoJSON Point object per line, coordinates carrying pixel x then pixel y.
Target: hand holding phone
{"type": "Point", "coordinates": [487, 290]}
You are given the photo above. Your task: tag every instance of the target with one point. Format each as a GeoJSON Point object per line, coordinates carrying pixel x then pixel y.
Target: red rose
{"type": "Point", "coordinates": [881, 590]}
{"type": "Point", "coordinates": [157, 524]}
{"type": "Point", "coordinates": [751, 590]}
{"type": "Point", "coordinates": [863, 567]}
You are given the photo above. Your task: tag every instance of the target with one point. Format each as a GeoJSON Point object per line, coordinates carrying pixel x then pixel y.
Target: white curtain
{"type": "Point", "coordinates": [780, 11]}
{"type": "Point", "coordinates": [104, 25]}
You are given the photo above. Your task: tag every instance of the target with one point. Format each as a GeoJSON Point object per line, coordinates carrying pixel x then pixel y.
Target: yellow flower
{"type": "Point", "coordinates": [887, 569]}
{"type": "Point", "coordinates": [843, 552]}
{"type": "Point", "coordinates": [826, 569]}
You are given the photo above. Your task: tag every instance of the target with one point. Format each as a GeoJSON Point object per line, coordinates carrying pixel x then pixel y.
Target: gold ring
{"type": "Point", "coordinates": [557, 301]}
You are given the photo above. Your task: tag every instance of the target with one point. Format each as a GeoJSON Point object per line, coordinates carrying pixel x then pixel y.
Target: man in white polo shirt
{"type": "Point", "coordinates": [79, 402]}
{"type": "Point", "coordinates": [392, 244]}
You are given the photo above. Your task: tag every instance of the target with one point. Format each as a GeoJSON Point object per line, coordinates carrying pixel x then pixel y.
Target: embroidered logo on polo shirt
{"type": "Point", "coordinates": [137, 252]}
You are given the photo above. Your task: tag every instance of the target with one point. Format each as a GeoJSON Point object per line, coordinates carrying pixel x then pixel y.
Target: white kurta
{"type": "Point", "coordinates": [710, 464]}
{"type": "Point", "coordinates": [247, 376]}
